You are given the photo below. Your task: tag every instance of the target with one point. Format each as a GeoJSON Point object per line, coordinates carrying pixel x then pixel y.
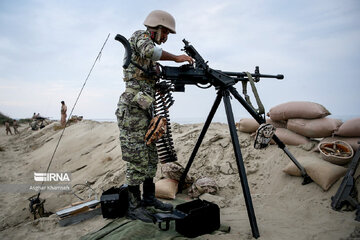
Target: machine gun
{"type": "Point", "coordinates": [345, 193]}
{"type": "Point", "coordinates": [201, 74]}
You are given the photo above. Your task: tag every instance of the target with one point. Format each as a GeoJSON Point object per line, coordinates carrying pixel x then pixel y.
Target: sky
{"type": "Point", "coordinates": [48, 47]}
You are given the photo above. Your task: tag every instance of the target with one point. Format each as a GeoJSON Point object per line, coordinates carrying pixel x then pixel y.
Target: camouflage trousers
{"type": "Point", "coordinates": [141, 159]}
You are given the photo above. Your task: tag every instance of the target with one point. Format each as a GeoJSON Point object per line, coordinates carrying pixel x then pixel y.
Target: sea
{"type": "Point", "coordinates": [221, 119]}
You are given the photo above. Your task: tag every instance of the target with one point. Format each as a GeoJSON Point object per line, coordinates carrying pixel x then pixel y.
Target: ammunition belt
{"type": "Point", "coordinates": [165, 145]}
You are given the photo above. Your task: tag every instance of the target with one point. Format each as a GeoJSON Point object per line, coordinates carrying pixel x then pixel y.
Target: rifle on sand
{"type": "Point", "coordinates": [346, 194]}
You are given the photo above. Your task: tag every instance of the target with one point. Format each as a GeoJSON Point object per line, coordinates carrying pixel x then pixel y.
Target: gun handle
{"type": "Point", "coordinates": [127, 47]}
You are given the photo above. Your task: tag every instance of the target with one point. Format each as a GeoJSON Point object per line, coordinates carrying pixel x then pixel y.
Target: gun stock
{"type": "Point", "coordinates": [127, 47]}
{"type": "Point", "coordinates": [344, 193]}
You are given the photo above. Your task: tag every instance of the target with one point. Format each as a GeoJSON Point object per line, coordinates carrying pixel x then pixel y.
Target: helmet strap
{"type": "Point", "coordinates": [156, 35]}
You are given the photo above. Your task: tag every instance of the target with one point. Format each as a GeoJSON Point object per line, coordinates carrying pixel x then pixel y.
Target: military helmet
{"type": "Point", "coordinates": [160, 18]}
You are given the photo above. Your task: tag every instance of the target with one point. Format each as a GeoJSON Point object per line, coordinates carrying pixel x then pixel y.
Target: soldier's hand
{"type": "Point", "coordinates": [184, 58]}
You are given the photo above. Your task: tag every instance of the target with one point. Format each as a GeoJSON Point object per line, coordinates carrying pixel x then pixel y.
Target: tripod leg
{"type": "Point", "coordinates": [240, 164]}
{"type": "Point", "coordinates": [201, 137]}
{"type": "Point", "coordinates": [281, 145]}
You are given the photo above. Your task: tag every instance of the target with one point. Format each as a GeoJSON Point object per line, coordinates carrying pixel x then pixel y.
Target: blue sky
{"type": "Point", "coordinates": [48, 47]}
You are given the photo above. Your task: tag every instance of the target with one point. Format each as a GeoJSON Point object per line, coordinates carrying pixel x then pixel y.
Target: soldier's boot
{"type": "Point", "coordinates": [135, 209]}
{"type": "Point", "coordinates": [149, 199]}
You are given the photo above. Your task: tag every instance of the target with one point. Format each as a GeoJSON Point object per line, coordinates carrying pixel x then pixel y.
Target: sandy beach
{"type": "Point", "coordinates": [90, 151]}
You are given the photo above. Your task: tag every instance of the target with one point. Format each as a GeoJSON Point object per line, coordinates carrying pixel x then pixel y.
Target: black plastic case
{"type": "Point", "coordinates": [203, 217]}
{"type": "Point", "coordinates": [114, 202]}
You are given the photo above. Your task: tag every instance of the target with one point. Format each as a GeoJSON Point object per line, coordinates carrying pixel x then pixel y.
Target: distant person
{"type": "Point", "coordinates": [34, 116]}
{"type": "Point", "coordinates": [63, 113]}
{"type": "Point", "coordinates": [7, 128]}
{"type": "Point", "coordinates": [15, 126]}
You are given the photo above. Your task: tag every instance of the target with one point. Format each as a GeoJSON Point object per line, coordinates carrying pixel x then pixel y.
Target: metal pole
{"type": "Point", "coordinates": [199, 141]}
{"type": "Point", "coordinates": [240, 164]}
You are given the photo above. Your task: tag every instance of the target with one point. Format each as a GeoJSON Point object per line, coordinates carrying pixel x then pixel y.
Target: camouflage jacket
{"type": "Point", "coordinates": [145, 54]}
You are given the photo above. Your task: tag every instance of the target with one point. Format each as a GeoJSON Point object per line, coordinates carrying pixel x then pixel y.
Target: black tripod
{"type": "Point", "coordinates": [224, 93]}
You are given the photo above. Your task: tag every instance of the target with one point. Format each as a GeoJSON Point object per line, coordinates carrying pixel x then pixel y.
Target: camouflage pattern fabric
{"type": "Point", "coordinates": [141, 158]}
{"type": "Point", "coordinates": [143, 49]}
{"type": "Point", "coordinates": [143, 100]}
{"type": "Point", "coordinates": [174, 170]}
{"type": "Point", "coordinates": [203, 185]}
{"type": "Point", "coordinates": [263, 135]}
{"type": "Point", "coordinates": [133, 121]}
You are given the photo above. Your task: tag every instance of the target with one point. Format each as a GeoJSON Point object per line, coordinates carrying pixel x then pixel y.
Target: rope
{"type": "Point", "coordinates": [77, 99]}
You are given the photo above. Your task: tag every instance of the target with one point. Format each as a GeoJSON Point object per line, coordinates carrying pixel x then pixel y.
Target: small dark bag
{"type": "Point", "coordinates": [114, 202]}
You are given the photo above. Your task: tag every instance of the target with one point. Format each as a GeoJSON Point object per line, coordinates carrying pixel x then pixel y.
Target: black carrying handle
{"type": "Point", "coordinates": [167, 225]}
{"type": "Point", "coordinates": [127, 47]}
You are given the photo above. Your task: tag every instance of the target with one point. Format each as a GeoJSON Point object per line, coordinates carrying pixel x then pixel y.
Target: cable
{"type": "Point", "coordinates": [82, 88]}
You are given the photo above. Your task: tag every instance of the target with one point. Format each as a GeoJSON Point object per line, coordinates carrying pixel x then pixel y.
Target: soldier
{"type": "Point", "coordinates": [7, 128]}
{"type": "Point", "coordinates": [134, 112]}
{"type": "Point", "coordinates": [15, 126]}
{"type": "Point", "coordinates": [63, 113]}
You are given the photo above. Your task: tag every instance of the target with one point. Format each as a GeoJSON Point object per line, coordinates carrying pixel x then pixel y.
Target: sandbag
{"type": "Point", "coordinates": [307, 110]}
{"type": "Point", "coordinates": [352, 141]}
{"type": "Point", "coordinates": [166, 188]}
{"type": "Point", "coordinates": [290, 138]}
{"type": "Point", "coordinates": [248, 125]}
{"type": "Point", "coordinates": [314, 128]}
{"type": "Point", "coordinates": [276, 124]}
{"type": "Point", "coordinates": [323, 173]}
{"type": "Point", "coordinates": [337, 152]}
{"type": "Point", "coordinates": [350, 128]}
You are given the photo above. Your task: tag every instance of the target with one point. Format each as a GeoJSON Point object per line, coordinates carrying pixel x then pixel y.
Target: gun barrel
{"type": "Point", "coordinates": [255, 75]}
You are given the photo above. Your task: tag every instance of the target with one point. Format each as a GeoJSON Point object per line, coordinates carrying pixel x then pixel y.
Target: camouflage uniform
{"type": "Point", "coordinates": [133, 118]}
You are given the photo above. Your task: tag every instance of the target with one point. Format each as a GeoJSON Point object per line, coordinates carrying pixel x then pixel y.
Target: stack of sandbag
{"type": "Point", "coordinates": [296, 122]}
{"type": "Point", "coordinates": [304, 120]}
{"type": "Point", "coordinates": [328, 166]}
{"type": "Point", "coordinates": [348, 132]}
{"type": "Point", "coordinates": [250, 125]}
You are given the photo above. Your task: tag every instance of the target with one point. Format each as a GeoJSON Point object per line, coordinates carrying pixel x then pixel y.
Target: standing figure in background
{"type": "Point", "coordinates": [15, 126]}
{"type": "Point", "coordinates": [7, 128]}
{"type": "Point", "coordinates": [63, 114]}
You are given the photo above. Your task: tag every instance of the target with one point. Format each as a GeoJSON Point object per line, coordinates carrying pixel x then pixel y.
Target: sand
{"type": "Point", "coordinates": [90, 151]}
